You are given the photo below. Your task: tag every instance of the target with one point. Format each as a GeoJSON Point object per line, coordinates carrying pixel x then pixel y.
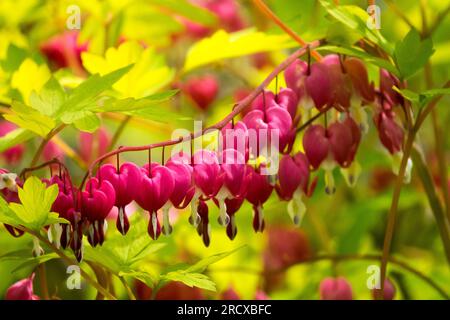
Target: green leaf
{"type": "Point", "coordinates": [88, 123]}
{"type": "Point", "coordinates": [28, 118]}
{"type": "Point", "coordinates": [14, 137]}
{"type": "Point", "coordinates": [14, 58]}
{"type": "Point", "coordinates": [190, 279]}
{"type": "Point", "coordinates": [35, 203]}
{"type": "Point", "coordinates": [7, 215]}
{"type": "Point", "coordinates": [424, 97]}
{"type": "Point", "coordinates": [83, 97]}
{"type": "Point", "coordinates": [49, 99]}
{"type": "Point", "coordinates": [131, 104]}
{"type": "Point", "coordinates": [186, 9]}
{"type": "Point", "coordinates": [35, 261]}
{"type": "Point", "coordinates": [201, 265]}
{"type": "Point", "coordinates": [149, 279]}
{"type": "Point", "coordinates": [356, 52]}
{"type": "Point", "coordinates": [125, 253]}
{"type": "Point", "coordinates": [412, 53]}
{"type": "Point", "coordinates": [148, 74]}
{"type": "Point", "coordinates": [355, 18]}
{"type": "Point", "coordinates": [222, 45]}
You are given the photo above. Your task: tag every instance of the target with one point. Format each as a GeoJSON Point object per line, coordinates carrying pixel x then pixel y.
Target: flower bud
{"type": "Point", "coordinates": [22, 290]}
{"type": "Point", "coordinates": [335, 289]}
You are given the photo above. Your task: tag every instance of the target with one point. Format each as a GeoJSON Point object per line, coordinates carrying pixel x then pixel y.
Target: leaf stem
{"type": "Point", "coordinates": [119, 132]}
{"type": "Point", "coordinates": [271, 15]}
{"type": "Point", "coordinates": [43, 282]}
{"type": "Point", "coordinates": [128, 289]}
{"type": "Point", "coordinates": [44, 142]}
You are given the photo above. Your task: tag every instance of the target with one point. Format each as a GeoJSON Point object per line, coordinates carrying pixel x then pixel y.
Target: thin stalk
{"type": "Point", "coordinates": [130, 293]}
{"type": "Point", "coordinates": [119, 132]}
{"type": "Point", "coordinates": [271, 15]}
{"type": "Point", "coordinates": [44, 142]}
{"type": "Point", "coordinates": [392, 217]}
{"type": "Point", "coordinates": [43, 282]}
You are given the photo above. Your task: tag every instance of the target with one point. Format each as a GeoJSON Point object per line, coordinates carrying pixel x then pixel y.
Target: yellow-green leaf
{"type": "Point", "coordinates": [222, 45]}
{"type": "Point", "coordinates": [30, 77]}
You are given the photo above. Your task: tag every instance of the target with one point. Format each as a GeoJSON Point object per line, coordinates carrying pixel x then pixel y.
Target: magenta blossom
{"type": "Point", "coordinates": [293, 180]}
{"type": "Point", "coordinates": [335, 289]}
{"type": "Point", "coordinates": [154, 191]}
{"type": "Point", "coordinates": [208, 179]}
{"type": "Point", "coordinates": [294, 75]}
{"type": "Point", "coordinates": [202, 90]}
{"type": "Point", "coordinates": [96, 202]}
{"type": "Point", "coordinates": [14, 154]}
{"type": "Point", "coordinates": [390, 133]}
{"type": "Point", "coordinates": [64, 50]}
{"type": "Point", "coordinates": [235, 137]}
{"type": "Point", "coordinates": [258, 192]}
{"type": "Point", "coordinates": [22, 290]}
{"type": "Point", "coordinates": [124, 181]}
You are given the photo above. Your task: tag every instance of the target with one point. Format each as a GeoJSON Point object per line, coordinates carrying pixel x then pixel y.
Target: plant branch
{"type": "Point", "coordinates": [392, 217]}
{"type": "Point", "coordinates": [119, 132]}
{"type": "Point", "coordinates": [128, 289]}
{"type": "Point", "coordinates": [44, 142]}
{"type": "Point", "coordinates": [271, 15]}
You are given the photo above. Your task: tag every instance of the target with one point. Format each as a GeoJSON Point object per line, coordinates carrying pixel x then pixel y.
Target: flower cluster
{"type": "Point", "coordinates": [246, 165]}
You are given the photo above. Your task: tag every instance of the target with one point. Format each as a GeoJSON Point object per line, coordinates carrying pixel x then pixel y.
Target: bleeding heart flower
{"type": "Point", "coordinates": [341, 86]}
{"type": "Point", "coordinates": [183, 190]}
{"type": "Point", "coordinates": [318, 86]}
{"type": "Point", "coordinates": [14, 154]}
{"type": "Point", "coordinates": [228, 13]}
{"type": "Point", "coordinates": [22, 290]}
{"type": "Point", "coordinates": [258, 192]}
{"type": "Point", "coordinates": [52, 151]}
{"type": "Point", "coordinates": [389, 290]}
{"type": "Point", "coordinates": [235, 137]}
{"type": "Point", "coordinates": [202, 90]}
{"type": "Point", "coordinates": [389, 132]}
{"type": "Point", "coordinates": [93, 145]}
{"type": "Point", "coordinates": [335, 289]}
{"type": "Point", "coordinates": [203, 228]}
{"type": "Point", "coordinates": [294, 75]}
{"type": "Point", "coordinates": [357, 72]}
{"type": "Point", "coordinates": [64, 50]}
{"type": "Point", "coordinates": [293, 177]}
{"type": "Point", "coordinates": [286, 99]}
{"type": "Point", "coordinates": [233, 166]}
{"type": "Point", "coordinates": [157, 185]}
{"type": "Point", "coordinates": [267, 125]}
{"type": "Point", "coordinates": [208, 180]}
{"type": "Point", "coordinates": [124, 181]}
{"type": "Point", "coordinates": [96, 202]}
{"type": "Point", "coordinates": [387, 81]}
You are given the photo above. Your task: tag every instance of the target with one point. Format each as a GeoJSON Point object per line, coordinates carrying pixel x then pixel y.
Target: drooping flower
{"type": "Point", "coordinates": [335, 289]}
{"type": "Point", "coordinates": [183, 190]}
{"type": "Point", "coordinates": [14, 154]}
{"type": "Point", "coordinates": [341, 86]}
{"type": "Point", "coordinates": [208, 179]}
{"type": "Point", "coordinates": [318, 87]}
{"type": "Point", "coordinates": [22, 290]}
{"type": "Point", "coordinates": [293, 181]}
{"type": "Point", "coordinates": [202, 90]}
{"type": "Point", "coordinates": [155, 189]}
{"type": "Point", "coordinates": [235, 137]}
{"type": "Point", "coordinates": [64, 50]}
{"type": "Point", "coordinates": [294, 75]}
{"type": "Point", "coordinates": [286, 99]}
{"type": "Point", "coordinates": [96, 201]}
{"type": "Point", "coordinates": [257, 194]}
{"type": "Point", "coordinates": [335, 145]}
{"type": "Point", "coordinates": [363, 89]}
{"type": "Point", "coordinates": [235, 183]}
{"type": "Point", "coordinates": [204, 228]}
{"type": "Point", "coordinates": [124, 181]}
{"type": "Point", "coordinates": [271, 127]}
{"type": "Point", "coordinates": [389, 132]}
{"type": "Point", "coordinates": [389, 290]}
{"type": "Point", "coordinates": [387, 81]}
{"type": "Point", "coordinates": [93, 145]}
